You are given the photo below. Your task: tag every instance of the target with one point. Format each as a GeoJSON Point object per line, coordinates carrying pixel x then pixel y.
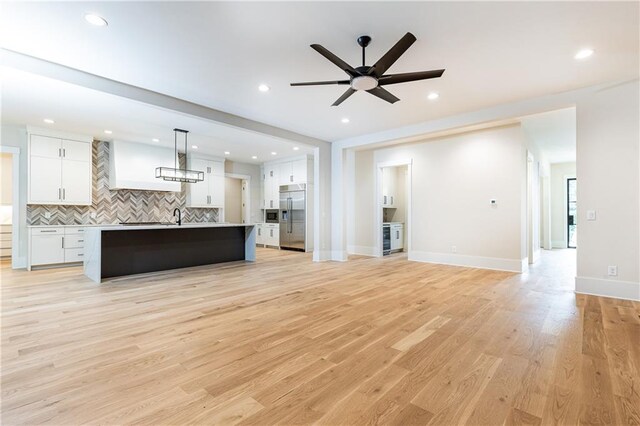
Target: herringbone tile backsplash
{"type": "Point", "coordinates": [114, 206]}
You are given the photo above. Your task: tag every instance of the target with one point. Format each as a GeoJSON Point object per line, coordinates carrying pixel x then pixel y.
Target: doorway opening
{"type": "Point", "coordinates": [393, 208]}
{"type": "Point", "coordinates": [236, 198]}
{"type": "Point", "coordinates": [572, 223]}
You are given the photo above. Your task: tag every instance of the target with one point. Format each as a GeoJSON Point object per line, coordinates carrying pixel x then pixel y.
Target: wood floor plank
{"type": "Point", "coordinates": [288, 341]}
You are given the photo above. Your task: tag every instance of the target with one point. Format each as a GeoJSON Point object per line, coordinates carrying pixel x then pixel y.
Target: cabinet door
{"type": "Point", "coordinates": [45, 146]}
{"type": "Point", "coordinates": [198, 193]}
{"type": "Point", "coordinates": [299, 171]}
{"type": "Point", "coordinates": [275, 240]}
{"type": "Point", "coordinates": [46, 249]}
{"type": "Point", "coordinates": [76, 182]}
{"type": "Point", "coordinates": [216, 167]}
{"type": "Point", "coordinates": [285, 173]}
{"type": "Point", "coordinates": [78, 151]}
{"type": "Point", "coordinates": [259, 235]}
{"type": "Point", "coordinates": [45, 186]}
{"type": "Point", "coordinates": [272, 187]}
{"type": "Point", "coordinates": [400, 237]}
{"type": "Point", "coordinates": [216, 190]}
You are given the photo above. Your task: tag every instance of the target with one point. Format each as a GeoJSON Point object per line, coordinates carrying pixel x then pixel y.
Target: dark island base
{"type": "Point", "coordinates": [129, 252]}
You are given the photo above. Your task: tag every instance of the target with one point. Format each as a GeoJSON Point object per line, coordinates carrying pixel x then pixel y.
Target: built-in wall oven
{"type": "Point", "coordinates": [272, 216]}
{"type": "Point", "coordinates": [386, 239]}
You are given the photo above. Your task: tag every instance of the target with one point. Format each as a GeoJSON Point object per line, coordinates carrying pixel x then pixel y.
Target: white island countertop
{"type": "Point", "coordinates": [170, 226]}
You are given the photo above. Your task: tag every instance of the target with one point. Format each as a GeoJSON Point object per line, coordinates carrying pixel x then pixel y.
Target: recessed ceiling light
{"type": "Point", "coordinates": [264, 88]}
{"type": "Point", "coordinates": [96, 20]}
{"type": "Point", "coordinates": [108, 132]}
{"type": "Point", "coordinates": [155, 140]}
{"type": "Point", "coordinates": [295, 148]}
{"type": "Point", "coordinates": [584, 54]}
{"type": "Point", "coordinates": [194, 146]}
{"type": "Point", "coordinates": [255, 157]}
{"type": "Point", "coordinates": [274, 153]}
{"type": "Point", "coordinates": [433, 96]}
{"type": "Point", "coordinates": [345, 120]}
{"type": "Point", "coordinates": [48, 121]}
{"type": "Point", "coordinates": [227, 153]}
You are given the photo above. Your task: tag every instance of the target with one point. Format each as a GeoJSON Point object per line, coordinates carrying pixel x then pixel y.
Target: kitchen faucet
{"type": "Point", "coordinates": [179, 221]}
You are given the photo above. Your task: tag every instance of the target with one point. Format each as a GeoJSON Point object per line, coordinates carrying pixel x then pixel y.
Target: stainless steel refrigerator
{"type": "Point", "coordinates": [292, 216]}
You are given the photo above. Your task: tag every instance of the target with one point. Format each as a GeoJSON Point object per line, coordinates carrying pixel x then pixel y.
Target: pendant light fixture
{"type": "Point", "coordinates": [177, 174]}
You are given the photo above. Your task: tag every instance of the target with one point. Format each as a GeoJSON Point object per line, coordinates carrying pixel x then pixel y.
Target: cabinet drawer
{"type": "Point", "coordinates": [70, 230]}
{"type": "Point", "coordinates": [73, 241]}
{"type": "Point", "coordinates": [47, 231]}
{"type": "Point", "coordinates": [73, 255]}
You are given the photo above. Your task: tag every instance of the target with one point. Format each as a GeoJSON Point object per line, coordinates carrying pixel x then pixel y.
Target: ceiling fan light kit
{"type": "Point", "coordinates": [176, 174]}
{"type": "Point", "coordinates": [371, 78]}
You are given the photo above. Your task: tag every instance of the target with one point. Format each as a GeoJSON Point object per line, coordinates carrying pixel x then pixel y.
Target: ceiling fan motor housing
{"type": "Point", "coordinates": [364, 82]}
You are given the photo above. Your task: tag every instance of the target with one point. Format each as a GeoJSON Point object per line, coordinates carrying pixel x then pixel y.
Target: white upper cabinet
{"type": "Point", "coordinates": [271, 186]}
{"type": "Point", "coordinates": [389, 187]}
{"type": "Point", "coordinates": [59, 171]}
{"type": "Point", "coordinates": [210, 192]}
{"type": "Point", "coordinates": [284, 173]}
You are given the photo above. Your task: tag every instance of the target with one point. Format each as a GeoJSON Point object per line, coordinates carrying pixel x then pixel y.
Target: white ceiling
{"type": "Point", "coordinates": [28, 99]}
{"type": "Point", "coordinates": [217, 53]}
{"type": "Point", "coordinates": [554, 133]}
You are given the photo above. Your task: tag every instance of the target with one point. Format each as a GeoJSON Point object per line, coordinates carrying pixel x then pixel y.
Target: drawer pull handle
{"type": "Point", "coordinates": [80, 254]}
{"type": "Point", "coordinates": [81, 241]}
{"type": "Point", "coordinates": [49, 230]}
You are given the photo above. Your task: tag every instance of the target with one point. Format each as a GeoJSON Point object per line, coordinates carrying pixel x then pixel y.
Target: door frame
{"type": "Point", "coordinates": [16, 261]}
{"type": "Point", "coordinates": [377, 214]}
{"type": "Point", "coordinates": [246, 195]}
{"type": "Point", "coordinates": [566, 205]}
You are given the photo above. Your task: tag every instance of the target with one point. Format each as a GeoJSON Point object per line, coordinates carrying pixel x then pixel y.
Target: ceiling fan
{"type": "Point", "coordinates": [371, 78]}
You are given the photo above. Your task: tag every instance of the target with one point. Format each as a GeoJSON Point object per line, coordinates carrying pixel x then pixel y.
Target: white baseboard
{"type": "Point", "coordinates": [558, 244]}
{"type": "Point", "coordinates": [608, 288]}
{"type": "Point", "coordinates": [511, 265]}
{"type": "Point", "coordinates": [362, 250]}
{"type": "Point", "coordinates": [321, 255]}
{"type": "Point", "coordinates": [339, 255]}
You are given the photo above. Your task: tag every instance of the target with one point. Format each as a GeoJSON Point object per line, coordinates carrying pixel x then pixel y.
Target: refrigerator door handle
{"type": "Point", "coordinates": [290, 207]}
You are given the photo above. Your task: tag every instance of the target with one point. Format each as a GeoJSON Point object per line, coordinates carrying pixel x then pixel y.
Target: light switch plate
{"type": "Point", "coordinates": [47, 215]}
{"type": "Point", "coordinates": [591, 215]}
{"type": "Point", "coordinates": [612, 271]}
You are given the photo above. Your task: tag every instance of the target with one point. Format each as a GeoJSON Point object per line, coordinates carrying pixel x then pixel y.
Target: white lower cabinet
{"type": "Point", "coordinates": [397, 237]}
{"type": "Point", "coordinates": [55, 245]}
{"type": "Point", "coordinates": [259, 234]}
{"type": "Point", "coordinates": [271, 234]}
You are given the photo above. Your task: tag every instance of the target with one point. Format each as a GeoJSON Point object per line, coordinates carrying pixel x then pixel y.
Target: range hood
{"type": "Point", "coordinates": [133, 166]}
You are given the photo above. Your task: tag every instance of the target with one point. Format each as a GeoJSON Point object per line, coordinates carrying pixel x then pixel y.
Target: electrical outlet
{"type": "Point", "coordinates": [591, 215]}
{"type": "Point", "coordinates": [454, 249]}
{"type": "Point", "coordinates": [47, 215]}
{"type": "Point", "coordinates": [93, 215]}
{"type": "Point", "coordinates": [612, 271]}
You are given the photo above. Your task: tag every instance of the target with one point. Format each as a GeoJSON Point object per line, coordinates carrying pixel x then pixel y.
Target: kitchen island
{"type": "Point", "coordinates": [115, 251]}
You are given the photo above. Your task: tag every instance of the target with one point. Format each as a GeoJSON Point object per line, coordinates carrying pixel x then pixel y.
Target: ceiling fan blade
{"type": "Point", "coordinates": [392, 55]}
{"type": "Point", "coordinates": [344, 96]}
{"type": "Point", "coordinates": [409, 76]}
{"type": "Point", "coordinates": [321, 83]}
{"type": "Point", "coordinates": [383, 94]}
{"type": "Point", "coordinates": [333, 58]}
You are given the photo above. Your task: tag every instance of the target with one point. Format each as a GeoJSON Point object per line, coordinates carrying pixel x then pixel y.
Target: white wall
{"type": "Point", "coordinates": [363, 205]}
{"type": "Point", "coordinates": [233, 200]}
{"type": "Point", "coordinates": [252, 170]}
{"type": "Point", "coordinates": [608, 163]}
{"type": "Point", "coordinates": [16, 136]}
{"type": "Point", "coordinates": [454, 179]}
{"type": "Point", "coordinates": [558, 182]}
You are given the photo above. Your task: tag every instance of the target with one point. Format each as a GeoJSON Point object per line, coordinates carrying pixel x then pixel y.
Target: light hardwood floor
{"type": "Point", "coordinates": [289, 341]}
